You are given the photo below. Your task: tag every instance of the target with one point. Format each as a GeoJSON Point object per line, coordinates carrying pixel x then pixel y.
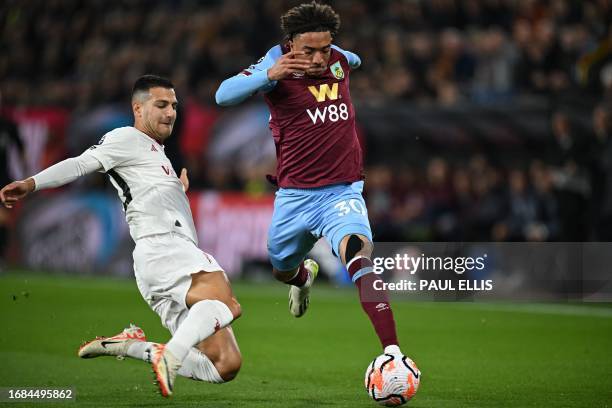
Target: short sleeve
{"type": "Point", "coordinates": [114, 149]}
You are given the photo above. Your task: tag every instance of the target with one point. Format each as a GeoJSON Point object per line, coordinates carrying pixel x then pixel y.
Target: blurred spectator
{"type": "Point", "coordinates": [378, 192]}
{"type": "Point", "coordinates": [9, 139]}
{"type": "Point", "coordinates": [525, 220]}
{"type": "Point", "coordinates": [453, 68]}
{"type": "Point", "coordinates": [409, 210]}
{"type": "Point", "coordinates": [601, 173]}
{"type": "Point", "coordinates": [489, 204]}
{"type": "Point", "coordinates": [496, 62]}
{"type": "Point", "coordinates": [547, 226]}
{"type": "Point", "coordinates": [463, 199]}
{"type": "Point", "coordinates": [571, 179]}
{"type": "Point", "coordinates": [439, 197]}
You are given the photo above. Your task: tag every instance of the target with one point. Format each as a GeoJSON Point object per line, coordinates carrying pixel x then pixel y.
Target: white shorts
{"type": "Point", "coordinates": [163, 265]}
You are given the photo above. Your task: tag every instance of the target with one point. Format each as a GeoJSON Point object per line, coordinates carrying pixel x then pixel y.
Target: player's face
{"type": "Point", "coordinates": [316, 47]}
{"type": "Point", "coordinates": [158, 113]}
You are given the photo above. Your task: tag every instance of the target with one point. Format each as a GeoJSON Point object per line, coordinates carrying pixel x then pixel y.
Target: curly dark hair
{"type": "Point", "coordinates": [310, 17]}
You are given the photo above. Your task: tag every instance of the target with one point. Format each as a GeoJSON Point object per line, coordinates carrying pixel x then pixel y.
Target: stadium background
{"type": "Point", "coordinates": [482, 121]}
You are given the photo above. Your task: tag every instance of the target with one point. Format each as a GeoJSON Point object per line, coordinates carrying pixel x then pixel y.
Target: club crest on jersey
{"type": "Point", "coordinates": [337, 70]}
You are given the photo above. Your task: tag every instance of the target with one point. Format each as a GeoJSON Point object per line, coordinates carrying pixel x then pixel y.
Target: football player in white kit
{"type": "Point", "coordinates": [185, 286]}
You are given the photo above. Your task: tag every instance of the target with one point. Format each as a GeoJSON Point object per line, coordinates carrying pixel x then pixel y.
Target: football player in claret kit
{"type": "Point", "coordinates": [305, 82]}
{"type": "Point", "coordinates": [185, 286]}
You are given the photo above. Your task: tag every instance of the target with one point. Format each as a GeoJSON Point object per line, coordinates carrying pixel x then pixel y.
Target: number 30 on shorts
{"type": "Point", "coordinates": [344, 207]}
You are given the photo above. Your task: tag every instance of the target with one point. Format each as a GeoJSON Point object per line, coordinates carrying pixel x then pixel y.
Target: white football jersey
{"type": "Point", "coordinates": [151, 193]}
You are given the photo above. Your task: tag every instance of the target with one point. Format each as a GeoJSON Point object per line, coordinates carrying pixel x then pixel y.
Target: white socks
{"type": "Point", "coordinates": [203, 320]}
{"type": "Point", "coordinates": [195, 366]}
{"type": "Point", "coordinates": [140, 350]}
{"type": "Point", "coordinates": [199, 367]}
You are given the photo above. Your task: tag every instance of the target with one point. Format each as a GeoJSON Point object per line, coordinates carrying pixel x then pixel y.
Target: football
{"type": "Point", "coordinates": [392, 379]}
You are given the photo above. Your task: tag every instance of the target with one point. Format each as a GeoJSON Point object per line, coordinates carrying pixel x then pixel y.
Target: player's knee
{"type": "Point", "coordinates": [229, 365]}
{"type": "Point", "coordinates": [357, 245]}
{"type": "Point", "coordinates": [234, 307]}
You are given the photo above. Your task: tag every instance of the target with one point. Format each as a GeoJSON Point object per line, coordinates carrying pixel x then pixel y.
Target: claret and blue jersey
{"type": "Point", "coordinates": [312, 119]}
{"type": "Point", "coordinates": [319, 158]}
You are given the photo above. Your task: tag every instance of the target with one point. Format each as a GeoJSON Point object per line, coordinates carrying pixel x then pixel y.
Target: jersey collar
{"type": "Point", "coordinates": [150, 138]}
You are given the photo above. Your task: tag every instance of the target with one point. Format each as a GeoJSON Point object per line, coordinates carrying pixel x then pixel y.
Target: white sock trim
{"type": "Point", "coordinates": [348, 265]}
{"type": "Point", "coordinates": [198, 366]}
{"type": "Point", "coordinates": [140, 350]}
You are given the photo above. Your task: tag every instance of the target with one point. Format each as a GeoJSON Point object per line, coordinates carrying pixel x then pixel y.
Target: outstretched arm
{"type": "Point", "coordinates": [57, 175]}
{"type": "Point", "coordinates": [236, 89]}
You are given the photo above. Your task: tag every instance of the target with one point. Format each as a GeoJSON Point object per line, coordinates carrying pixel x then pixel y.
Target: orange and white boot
{"type": "Point", "coordinates": [116, 345]}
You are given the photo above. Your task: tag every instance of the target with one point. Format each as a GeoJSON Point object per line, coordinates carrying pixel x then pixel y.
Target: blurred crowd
{"type": "Point", "coordinates": [565, 197]}
{"type": "Point", "coordinates": [447, 52]}
{"type": "Point", "coordinates": [78, 54]}
{"type": "Point", "coordinates": [438, 54]}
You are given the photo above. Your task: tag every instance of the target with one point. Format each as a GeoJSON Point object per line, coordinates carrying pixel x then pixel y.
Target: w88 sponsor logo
{"type": "Point", "coordinates": [331, 112]}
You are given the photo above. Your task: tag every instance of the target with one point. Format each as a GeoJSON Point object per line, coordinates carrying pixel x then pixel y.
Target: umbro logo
{"type": "Point", "coordinates": [382, 306]}
{"type": "Point", "coordinates": [153, 149]}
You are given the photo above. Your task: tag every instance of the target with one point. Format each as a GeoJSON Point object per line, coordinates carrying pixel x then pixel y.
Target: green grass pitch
{"type": "Point", "coordinates": [471, 355]}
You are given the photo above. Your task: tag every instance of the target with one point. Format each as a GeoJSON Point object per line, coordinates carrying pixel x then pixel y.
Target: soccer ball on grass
{"type": "Point", "coordinates": [392, 379]}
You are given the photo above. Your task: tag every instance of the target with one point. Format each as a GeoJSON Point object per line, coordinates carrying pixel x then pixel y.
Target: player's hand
{"type": "Point", "coordinates": [15, 191]}
{"type": "Point", "coordinates": [184, 179]}
{"type": "Point", "coordinates": [288, 64]}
